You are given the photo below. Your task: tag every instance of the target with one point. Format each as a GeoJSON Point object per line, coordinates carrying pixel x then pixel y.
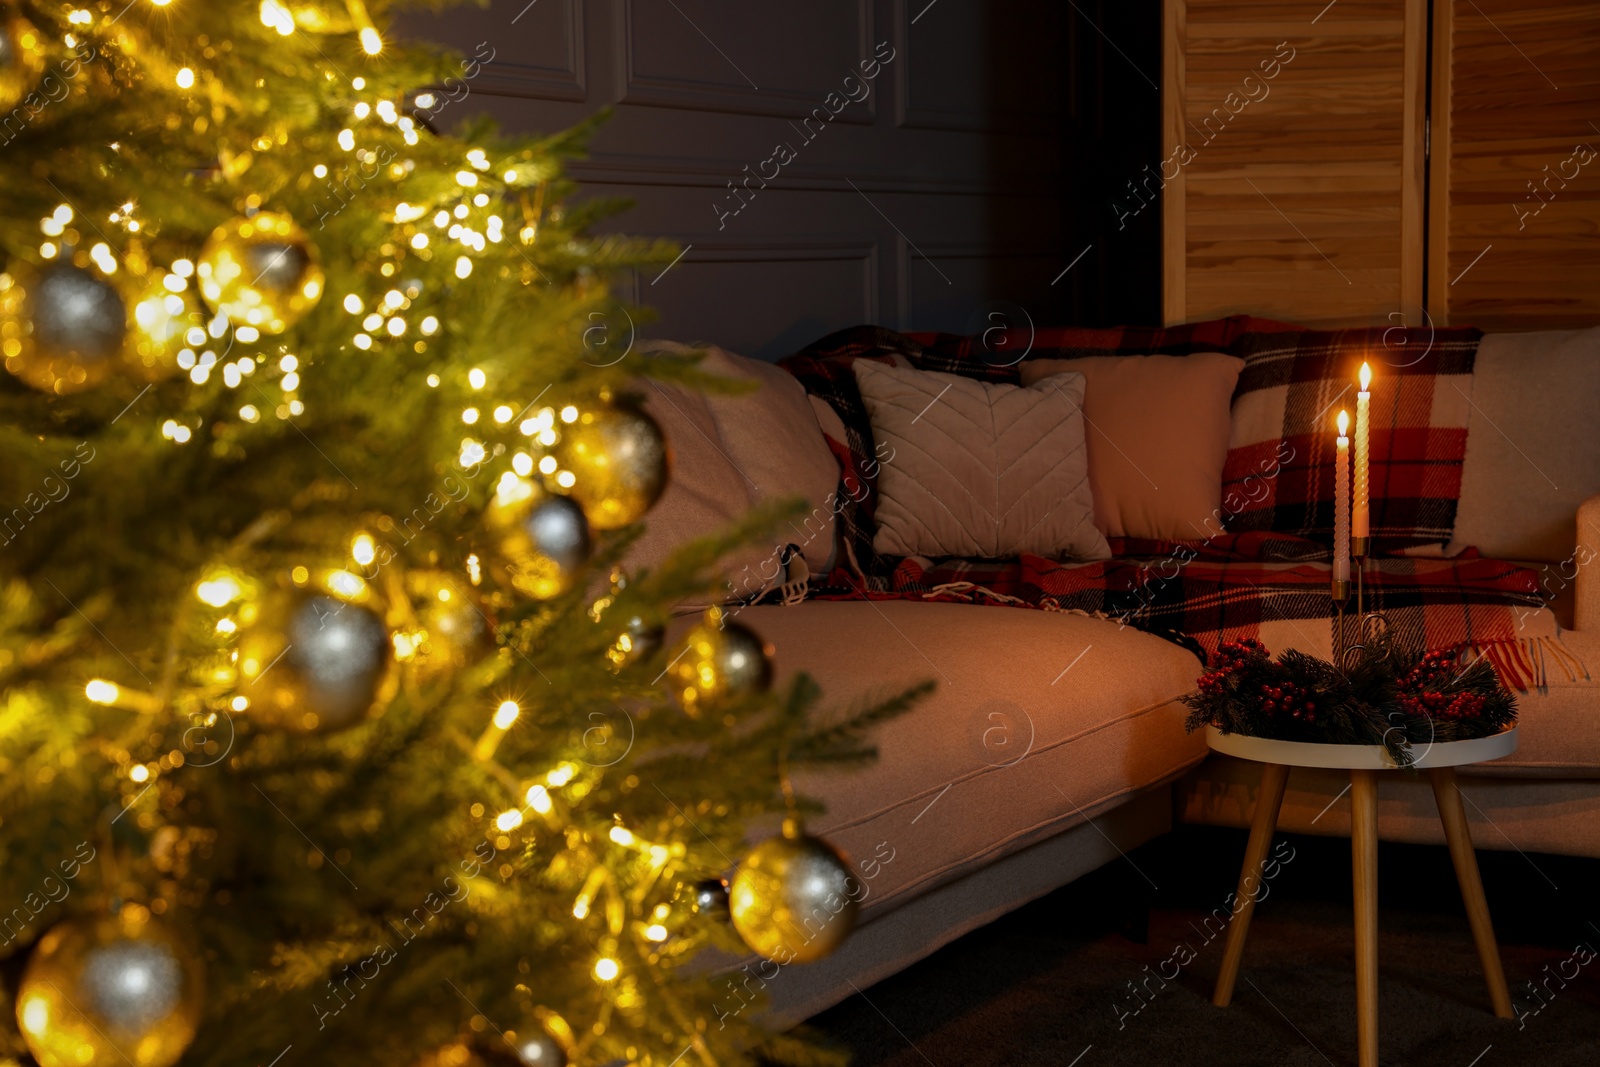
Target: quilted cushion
{"type": "Point", "coordinates": [980, 470]}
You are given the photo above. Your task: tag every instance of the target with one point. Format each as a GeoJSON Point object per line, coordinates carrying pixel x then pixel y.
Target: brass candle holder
{"type": "Point", "coordinates": [1341, 593]}
{"type": "Point", "coordinates": [1359, 547]}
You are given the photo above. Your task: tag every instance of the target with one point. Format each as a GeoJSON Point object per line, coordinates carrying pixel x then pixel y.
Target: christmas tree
{"type": "Point", "coordinates": [331, 730]}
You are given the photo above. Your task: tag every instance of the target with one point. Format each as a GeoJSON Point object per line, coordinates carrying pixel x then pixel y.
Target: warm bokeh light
{"type": "Point", "coordinates": [218, 592]}
{"type": "Point", "coordinates": [102, 692]}
{"type": "Point", "coordinates": [538, 799]}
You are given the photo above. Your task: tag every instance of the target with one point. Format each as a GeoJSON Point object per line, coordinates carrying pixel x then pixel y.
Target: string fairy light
{"type": "Point", "coordinates": [504, 716]}
{"type": "Point", "coordinates": [277, 17]}
{"type": "Point", "coordinates": [371, 42]}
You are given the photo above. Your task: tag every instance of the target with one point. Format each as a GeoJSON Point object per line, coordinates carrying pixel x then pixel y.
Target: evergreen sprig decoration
{"type": "Point", "coordinates": [1385, 695]}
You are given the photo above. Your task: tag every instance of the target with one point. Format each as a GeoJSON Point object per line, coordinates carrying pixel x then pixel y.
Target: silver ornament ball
{"type": "Point", "coordinates": [64, 327]}
{"type": "Point", "coordinates": [311, 661]}
{"type": "Point", "coordinates": [543, 538]}
{"type": "Point", "coordinates": [339, 650]}
{"type": "Point", "coordinates": [559, 531]}
{"type": "Point", "coordinates": [97, 990]}
{"type": "Point", "coordinates": [75, 311]}
{"type": "Point", "coordinates": [793, 898]}
{"type": "Point", "coordinates": [132, 984]}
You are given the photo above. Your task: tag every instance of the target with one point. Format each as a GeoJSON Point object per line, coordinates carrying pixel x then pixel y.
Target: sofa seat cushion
{"type": "Point", "coordinates": [1040, 721]}
{"type": "Point", "coordinates": [1558, 726]}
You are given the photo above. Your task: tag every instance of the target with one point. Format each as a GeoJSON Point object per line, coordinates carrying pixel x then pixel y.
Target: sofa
{"type": "Point", "coordinates": [1054, 741]}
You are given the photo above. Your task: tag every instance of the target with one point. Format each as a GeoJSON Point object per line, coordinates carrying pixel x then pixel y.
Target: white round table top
{"type": "Point", "coordinates": [1360, 757]}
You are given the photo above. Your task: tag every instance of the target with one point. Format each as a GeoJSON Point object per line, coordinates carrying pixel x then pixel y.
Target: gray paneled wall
{"type": "Point", "coordinates": [825, 163]}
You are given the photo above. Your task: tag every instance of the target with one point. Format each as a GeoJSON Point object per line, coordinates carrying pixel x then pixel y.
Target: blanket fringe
{"type": "Point", "coordinates": [1525, 663]}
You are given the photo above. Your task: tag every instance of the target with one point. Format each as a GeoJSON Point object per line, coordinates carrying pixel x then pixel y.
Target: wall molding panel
{"type": "Point", "coordinates": [719, 82]}
{"type": "Point", "coordinates": [704, 89]}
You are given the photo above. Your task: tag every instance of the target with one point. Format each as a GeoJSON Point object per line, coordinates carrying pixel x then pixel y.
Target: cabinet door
{"type": "Point", "coordinates": [1514, 216]}
{"type": "Point", "coordinates": [1293, 169]}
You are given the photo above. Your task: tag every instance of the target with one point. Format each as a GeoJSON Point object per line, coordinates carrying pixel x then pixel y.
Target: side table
{"type": "Point", "coordinates": [1365, 763]}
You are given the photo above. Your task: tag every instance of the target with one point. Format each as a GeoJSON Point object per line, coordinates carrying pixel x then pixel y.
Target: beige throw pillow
{"type": "Point", "coordinates": [979, 470]}
{"type": "Point", "coordinates": [1158, 437]}
{"type": "Point", "coordinates": [730, 452]}
{"type": "Point", "coordinates": [1532, 451]}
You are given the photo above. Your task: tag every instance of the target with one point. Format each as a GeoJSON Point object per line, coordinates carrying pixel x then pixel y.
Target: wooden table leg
{"type": "Point", "coordinates": [1459, 837]}
{"type": "Point", "coordinates": [1364, 864]}
{"type": "Point", "coordinates": [1269, 799]}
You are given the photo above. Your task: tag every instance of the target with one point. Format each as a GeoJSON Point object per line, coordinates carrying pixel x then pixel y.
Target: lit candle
{"type": "Point", "coordinates": [1341, 502]}
{"type": "Point", "coordinates": [1361, 524]}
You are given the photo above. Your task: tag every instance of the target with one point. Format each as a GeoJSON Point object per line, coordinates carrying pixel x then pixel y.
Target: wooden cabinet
{"type": "Point", "coordinates": [1298, 181]}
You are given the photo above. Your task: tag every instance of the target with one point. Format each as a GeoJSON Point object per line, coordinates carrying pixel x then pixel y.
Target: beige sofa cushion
{"type": "Point", "coordinates": [771, 436]}
{"type": "Point", "coordinates": [1040, 721]}
{"type": "Point", "coordinates": [978, 469]}
{"type": "Point", "coordinates": [1158, 438]}
{"type": "Point", "coordinates": [731, 452]}
{"type": "Point", "coordinates": [705, 493]}
{"type": "Point", "coordinates": [1532, 451]}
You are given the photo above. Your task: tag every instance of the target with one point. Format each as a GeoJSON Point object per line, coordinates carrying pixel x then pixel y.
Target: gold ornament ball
{"type": "Point", "coordinates": [22, 58]}
{"type": "Point", "coordinates": [542, 538]}
{"type": "Point", "coordinates": [110, 992]}
{"type": "Point", "coordinates": [454, 630]}
{"type": "Point", "coordinates": [260, 271]}
{"type": "Point", "coordinates": [62, 327]}
{"type": "Point", "coordinates": [312, 661]}
{"type": "Point", "coordinates": [722, 659]}
{"type": "Point", "coordinates": [793, 898]}
{"type": "Point", "coordinates": [618, 460]}
{"type": "Point", "coordinates": [162, 325]}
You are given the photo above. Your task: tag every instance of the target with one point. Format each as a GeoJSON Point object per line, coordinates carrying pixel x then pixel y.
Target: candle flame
{"type": "Point", "coordinates": [1366, 377]}
{"type": "Point", "coordinates": [1344, 423]}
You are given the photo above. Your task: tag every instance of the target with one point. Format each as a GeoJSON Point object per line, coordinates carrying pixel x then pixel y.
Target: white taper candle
{"type": "Point", "coordinates": [1362, 521]}
{"type": "Point", "coordinates": [1341, 502]}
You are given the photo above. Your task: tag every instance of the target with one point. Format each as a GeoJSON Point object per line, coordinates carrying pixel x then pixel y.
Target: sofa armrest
{"type": "Point", "coordinates": [1585, 560]}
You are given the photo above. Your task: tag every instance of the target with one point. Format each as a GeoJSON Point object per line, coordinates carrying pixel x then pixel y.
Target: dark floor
{"type": "Point", "coordinates": [1050, 983]}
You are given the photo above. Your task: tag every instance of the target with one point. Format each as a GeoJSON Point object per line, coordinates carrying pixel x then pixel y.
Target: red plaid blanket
{"type": "Point", "coordinates": [1251, 581]}
{"type": "Point", "coordinates": [1201, 594]}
